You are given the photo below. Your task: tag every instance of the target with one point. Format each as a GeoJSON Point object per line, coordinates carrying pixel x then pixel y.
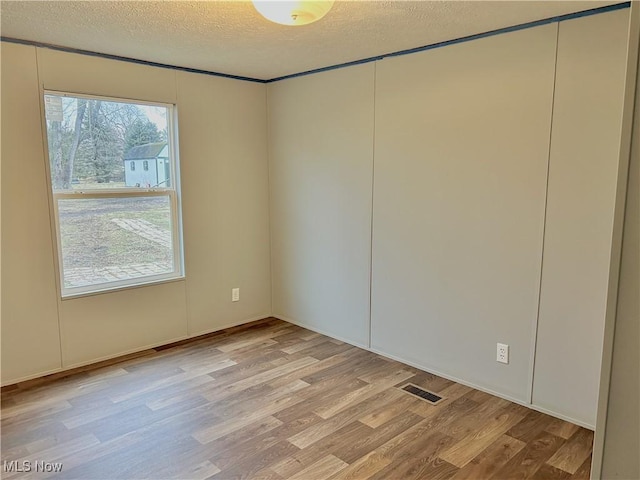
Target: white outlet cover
{"type": "Point", "coordinates": [235, 294]}
{"type": "Point", "coordinates": [502, 353]}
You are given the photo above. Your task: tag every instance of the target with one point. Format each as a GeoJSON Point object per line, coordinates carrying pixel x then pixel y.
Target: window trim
{"type": "Point", "coordinates": [173, 193]}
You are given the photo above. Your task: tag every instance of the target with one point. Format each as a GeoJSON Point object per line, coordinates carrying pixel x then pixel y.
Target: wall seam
{"type": "Point", "coordinates": [177, 163]}
{"type": "Point", "coordinates": [373, 173]}
{"type": "Point", "coordinates": [536, 322]}
{"type": "Point", "coordinates": [269, 199]}
{"type": "Point", "coordinates": [53, 230]}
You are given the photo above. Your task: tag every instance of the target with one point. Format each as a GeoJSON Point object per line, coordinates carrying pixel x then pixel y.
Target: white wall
{"type": "Point", "coordinates": [622, 440]}
{"type": "Point", "coordinates": [30, 337]}
{"type": "Point", "coordinates": [618, 431]}
{"type": "Point", "coordinates": [585, 140]}
{"type": "Point", "coordinates": [462, 141]}
{"type": "Point", "coordinates": [462, 149]}
{"type": "Point", "coordinates": [321, 161]}
{"type": "Point", "coordinates": [225, 192]}
{"type": "Point", "coordinates": [222, 127]}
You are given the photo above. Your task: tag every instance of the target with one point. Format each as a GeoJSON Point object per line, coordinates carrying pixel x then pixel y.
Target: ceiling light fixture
{"type": "Point", "coordinates": [301, 12]}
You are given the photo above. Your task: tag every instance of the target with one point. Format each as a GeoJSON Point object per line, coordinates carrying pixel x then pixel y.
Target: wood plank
{"type": "Point", "coordinates": [259, 378]}
{"type": "Point", "coordinates": [382, 383]}
{"type": "Point", "coordinates": [584, 472]}
{"type": "Point", "coordinates": [561, 428]}
{"type": "Point", "coordinates": [547, 471]}
{"type": "Point", "coordinates": [418, 457]}
{"type": "Point", "coordinates": [530, 426]}
{"type": "Point", "coordinates": [325, 350]}
{"type": "Point", "coordinates": [574, 452]}
{"type": "Point", "coordinates": [237, 440]}
{"type": "Point", "coordinates": [241, 403]}
{"type": "Point", "coordinates": [193, 471]}
{"type": "Point", "coordinates": [531, 458]}
{"type": "Point", "coordinates": [430, 381]}
{"type": "Point", "coordinates": [359, 364]}
{"type": "Point", "coordinates": [297, 346]}
{"type": "Point", "coordinates": [226, 454]}
{"type": "Point", "coordinates": [491, 460]}
{"type": "Point", "coordinates": [330, 444]}
{"type": "Point", "coordinates": [314, 396]}
{"type": "Point", "coordinates": [366, 443]}
{"type": "Point", "coordinates": [266, 474]}
{"type": "Point", "coordinates": [209, 434]}
{"type": "Point", "coordinates": [261, 454]}
{"type": "Point", "coordinates": [323, 468]}
{"type": "Point", "coordinates": [475, 442]}
{"type": "Point", "coordinates": [463, 425]}
{"type": "Point", "coordinates": [317, 432]}
{"type": "Point", "coordinates": [450, 394]}
{"type": "Point", "coordinates": [363, 468]}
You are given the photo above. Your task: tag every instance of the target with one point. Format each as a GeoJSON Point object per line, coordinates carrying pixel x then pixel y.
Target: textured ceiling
{"type": "Point", "coordinates": [232, 38]}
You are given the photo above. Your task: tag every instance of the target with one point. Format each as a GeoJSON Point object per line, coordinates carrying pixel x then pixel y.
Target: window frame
{"type": "Point", "coordinates": [173, 193]}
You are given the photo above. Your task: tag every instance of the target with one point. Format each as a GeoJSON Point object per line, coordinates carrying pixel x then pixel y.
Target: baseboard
{"type": "Point", "coordinates": [441, 374]}
{"type": "Point", "coordinates": [122, 354]}
{"type": "Point", "coordinates": [484, 389]}
{"type": "Point", "coordinates": [561, 416]}
{"type": "Point", "coordinates": [320, 331]}
{"type": "Point", "coordinates": [313, 329]}
{"type": "Point", "coordinates": [96, 361]}
{"type": "Point", "coordinates": [31, 377]}
{"type": "Point", "coordinates": [231, 325]}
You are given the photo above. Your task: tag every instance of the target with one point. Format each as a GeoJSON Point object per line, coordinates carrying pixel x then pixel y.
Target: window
{"type": "Point", "coordinates": [145, 166]}
{"type": "Point", "coordinates": [110, 232]}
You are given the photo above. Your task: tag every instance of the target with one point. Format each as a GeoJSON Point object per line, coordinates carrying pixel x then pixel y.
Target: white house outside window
{"type": "Point", "coordinates": [115, 226]}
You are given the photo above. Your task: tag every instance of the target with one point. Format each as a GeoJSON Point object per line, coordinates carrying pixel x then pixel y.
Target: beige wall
{"type": "Point", "coordinates": [459, 195]}
{"type": "Point", "coordinates": [222, 127]}
{"type": "Point", "coordinates": [621, 429]}
{"type": "Point", "coordinates": [321, 163]}
{"type": "Point", "coordinates": [622, 440]}
{"type": "Point", "coordinates": [225, 193]}
{"type": "Point", "coordinates": [30, 335]}
{"type": "Point", "coordinates": [585, 140]}
{"type": "Point", "coordinates": [460, 167]}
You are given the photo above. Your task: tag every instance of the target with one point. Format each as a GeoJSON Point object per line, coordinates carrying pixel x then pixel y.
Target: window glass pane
{"type": "Point", "coordinates": [92, 140]}
{"type": "Point", "coordinates": [114, 239]}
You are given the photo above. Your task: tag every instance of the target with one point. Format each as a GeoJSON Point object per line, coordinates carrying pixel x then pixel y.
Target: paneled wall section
{"type": "Point", "coordinates": [462, 145]}
{"type": "Point", "coordinates": [585, 141]}
{"type": "Point", "coordinates": [321, 167]}
{"type": "Point", "coordinates": [223, 146]}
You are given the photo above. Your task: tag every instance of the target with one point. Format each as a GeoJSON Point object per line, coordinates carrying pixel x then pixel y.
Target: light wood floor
{"type": "Point", "coordinates": [275, 401]}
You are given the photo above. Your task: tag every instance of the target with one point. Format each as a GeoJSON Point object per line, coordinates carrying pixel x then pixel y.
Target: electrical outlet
{"type": "Point", "coordinates": [235, 294]}
{"type": "Point", "coordinates": [502, 354]}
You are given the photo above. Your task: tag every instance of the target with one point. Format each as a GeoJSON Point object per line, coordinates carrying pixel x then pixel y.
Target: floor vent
{"type": "Point", "coordinates": [421, 393]}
